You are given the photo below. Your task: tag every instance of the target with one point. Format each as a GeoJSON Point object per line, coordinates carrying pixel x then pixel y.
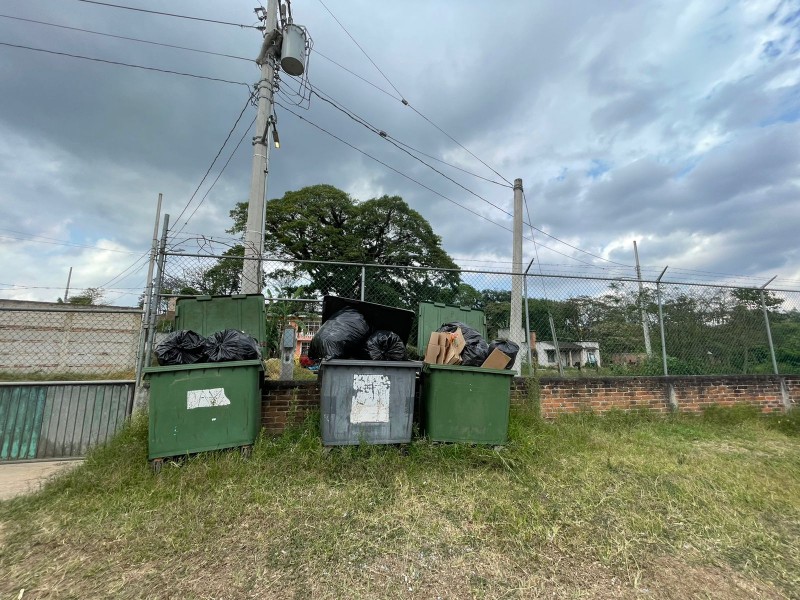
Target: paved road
{"type": "Point", "coordinates": [22, 478]}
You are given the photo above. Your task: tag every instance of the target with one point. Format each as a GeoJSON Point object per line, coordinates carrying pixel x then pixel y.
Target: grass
{"type": "Point", "coordinates": [66, 376]}
{"type": "Point", "coordinates": [623, 506]}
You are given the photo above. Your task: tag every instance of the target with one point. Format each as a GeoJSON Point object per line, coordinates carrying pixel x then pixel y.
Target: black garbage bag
{"type": "Point", "coordinates": [476, 350]}
{"type": "Point", "coordinates": [230, 345]}
{"type": "Point", "coordinates": [506, 347]}
{"type": "Point", "coordinates": [183, 347]}
{"type": "Point", "coordinates": [341, 336]}
{"type": "Point", "coordinates": [385, 345]}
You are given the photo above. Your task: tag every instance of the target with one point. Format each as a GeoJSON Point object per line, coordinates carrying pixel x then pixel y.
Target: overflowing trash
{"type": "Point", "coordinates": [186, 347]}
{"type": "Point", "coordinates": [183, 347]}
{"type": "Point", "coordinates": [230, 345]}
{"type": "Point", "coordinates": [341, 336]}
{"type": "Point", "coordinates": [507, 347]}
{"type": "Point", "coordinates": [385, 345]}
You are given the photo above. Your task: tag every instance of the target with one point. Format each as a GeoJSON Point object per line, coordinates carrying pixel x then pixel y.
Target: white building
{"type": "Point", "coordinates": [573, 354]}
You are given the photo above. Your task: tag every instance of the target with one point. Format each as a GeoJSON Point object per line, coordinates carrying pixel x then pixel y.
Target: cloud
{"type": "Point", "coordinates": [674, 123]}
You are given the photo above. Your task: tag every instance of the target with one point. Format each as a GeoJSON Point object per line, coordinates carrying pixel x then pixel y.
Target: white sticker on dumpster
{"type": "Point", "coordinates": [370, 399]}
{"type": "Point", "coordinates": [206, 398]}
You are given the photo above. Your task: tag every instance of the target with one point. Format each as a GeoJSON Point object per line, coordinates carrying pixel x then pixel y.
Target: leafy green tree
{"type": "Point", "coordinates": [89, 297]}
{"type": "Point", "coordinates": [323, 223]}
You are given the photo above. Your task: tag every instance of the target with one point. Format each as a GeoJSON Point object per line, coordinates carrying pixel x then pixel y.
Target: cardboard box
{"type": "Point", "coordinates": [455, 347]}
{"type": "Point", "coordinates": [496, 360]}
{"type": "Point", "coordinates": [433, 349]}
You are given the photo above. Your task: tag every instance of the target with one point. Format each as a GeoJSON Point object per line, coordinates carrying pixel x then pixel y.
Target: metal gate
{"type": "Point", "coordinates": [61, 418]}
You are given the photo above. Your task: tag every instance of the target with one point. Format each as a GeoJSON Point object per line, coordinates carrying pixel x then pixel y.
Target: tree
{"type": "Point", "coordinates": [89, 297]}
{"type": "Point", "coordinates": [323, 223]}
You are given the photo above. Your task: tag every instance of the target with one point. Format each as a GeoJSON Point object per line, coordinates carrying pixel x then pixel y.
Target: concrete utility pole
{"type": "Point", "coordinates": [515, 326]}
{"type": "Point", "coordinates": [645, 326]}
{"type": "Point", "coordinates": [66, 291]}
{"type": "Point", "coordinates": [254, 235]}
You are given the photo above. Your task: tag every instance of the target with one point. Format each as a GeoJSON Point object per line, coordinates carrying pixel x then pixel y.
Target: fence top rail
{"type": "Point", "coordinates": [486, 272]}
{"type": "Point", "coordinates": [122, 310]}
{"type": "Point", "coordinates": [79, 382]}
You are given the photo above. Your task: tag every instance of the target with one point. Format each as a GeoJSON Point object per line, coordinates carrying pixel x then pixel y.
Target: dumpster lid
{"type": "Point", "coordinates": [433, 314]}
{"type": "Point", "coordinates": [206, 365]}
{"type": "Point", "coordinates": [429, 367]}
{"type": "Point", "coordinates": [378, 316]}
{"type": "Point", "coordinates": [402, 364]}
{"type": "Point", "coordinates": [209, 314]}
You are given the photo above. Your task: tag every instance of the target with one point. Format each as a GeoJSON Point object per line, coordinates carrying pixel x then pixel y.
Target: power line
{"type": "Point", "coordinates": [130, 39]}
{"type": "Point", "coordinates": [126, 269]}
{"type": "Point", "coordinates": [412, 179]}
{"type": "Point", "coordinates": [213, 162]}
{"type": "Point", "coordinates": [122, 64]}
{"type": "Point", "coordinates": [60, 243]}
{"type": "Point", "coordinates": [362, 50]}
{"type": "Point", "coordinates": [406, 103]}
{"type": "Point", "coordinates": [165, 14]}
{"type": "Point", "coordinates": [222, 170]}
{"type": "Point", "coordinates": [354, 74]}
{"type": "Point", "coordinates": [358, 119]}
{"type": "Point", "coordinates": [330, 100]}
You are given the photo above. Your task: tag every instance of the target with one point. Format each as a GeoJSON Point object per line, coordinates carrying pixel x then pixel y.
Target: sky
{"type": "Point", "coordinates": [672, 123]}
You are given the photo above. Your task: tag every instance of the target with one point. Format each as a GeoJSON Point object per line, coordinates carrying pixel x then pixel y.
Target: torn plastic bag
{"type": "Point", "coordinates": [183, 347]}
{"type": "Point", "coordinates": [508, 348]}
{"type": "Point", "coordinates": [230, 345]}
{"type": "Point", "coordinates": [476, 350]}
{"type": "Point", "coordinates": [385, 345]}
{"type": "Point", "coordinates": [341, 336]}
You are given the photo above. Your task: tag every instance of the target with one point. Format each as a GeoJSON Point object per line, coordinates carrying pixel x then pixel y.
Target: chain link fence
{"type": "Point", "coordinates": [579, 325]}
{"type": "Point", "coordinates": [46, 341]}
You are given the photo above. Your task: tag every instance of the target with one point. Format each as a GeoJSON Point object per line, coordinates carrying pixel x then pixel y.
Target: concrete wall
{"type": "Point", "coordinates": [45, 337]}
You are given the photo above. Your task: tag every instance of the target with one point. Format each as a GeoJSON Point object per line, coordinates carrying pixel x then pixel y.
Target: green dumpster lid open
{"type": "Point", "coordinates": [433, 314]}
{"type": "Point", "coordinates": [209, 314]}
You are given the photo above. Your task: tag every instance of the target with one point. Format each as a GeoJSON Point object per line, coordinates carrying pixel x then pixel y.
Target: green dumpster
{"type": "Point", "coordinates": [201, 407]}
{"type": "Point", "coordinates": [462, 404]}
{"type": "Point", "coordinates": [208, 406]}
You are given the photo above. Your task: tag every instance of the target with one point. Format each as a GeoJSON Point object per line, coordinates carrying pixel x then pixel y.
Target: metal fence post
{"type": "Point", "coordinates": [661, 321]}
{"type": "Point", "coordinates": [555, 344]}
{"type": "Point", "coordinates": [162, 248]}
{"type": "Point", "coordinates": [363, 280]}
{"type": "Point", "coordinates": [531, 370]}
{"type": "Point", "coordinates": [769, 329]}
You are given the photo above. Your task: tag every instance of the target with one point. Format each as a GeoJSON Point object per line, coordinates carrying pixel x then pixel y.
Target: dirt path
{"type": "Point", "coordinates": [22, 478]}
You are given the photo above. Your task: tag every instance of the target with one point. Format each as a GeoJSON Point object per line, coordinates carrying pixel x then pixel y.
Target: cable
{"type": "Point", "coordinates": [330, 100]}
{"type": "Point", "coordinates": [128, 268]}
{"type": "Point", "coordinates": [358, 119]}
{"type": "Point", "coordinates": [208, 191]}
{"type": "Point", "coordinates": [414, 180]}
{"type": "Point", "coordinates": [213, 162]}
{"type": "Point", "coordinates": [354, 74]}
{"type": "Point", "coordinates": [164, 14]}
{"type": "Point", "coordinates": [122, 64]}
{"type": "Point", "coordinates": [529, 223]}
{"type": "Point", "coordinates": [406, 103]}
{"type": "Point", "coordinates": [63, 243]}
{"type": "Point", "coordinates": [130, 39]}
{"type": "Point", "coordinates": [362, 49]}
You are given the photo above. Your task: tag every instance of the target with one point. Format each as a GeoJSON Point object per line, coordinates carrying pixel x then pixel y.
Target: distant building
{"type": "Point", "coordinates": [306, 330]}
{"type": "Point", "coordinates": [573, 354]}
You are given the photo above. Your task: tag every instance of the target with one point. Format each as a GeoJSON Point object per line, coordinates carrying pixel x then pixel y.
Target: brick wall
{"type": "Point", "coordinates": [289, 402]}
{"type": "Point", "coordinates": [663, 394]}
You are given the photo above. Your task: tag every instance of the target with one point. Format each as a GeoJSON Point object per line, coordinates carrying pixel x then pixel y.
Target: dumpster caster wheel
{"type": "Point", "coordinates": [156, 465]}
{"type": "Point", "coordinates": [403, 449]}
{"type": "Point", "coordinates": [326, 450]}
{"type": "Point", "coordinates": [498, 448]}
{"type": "Point", "coordinates": [246, 451]}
